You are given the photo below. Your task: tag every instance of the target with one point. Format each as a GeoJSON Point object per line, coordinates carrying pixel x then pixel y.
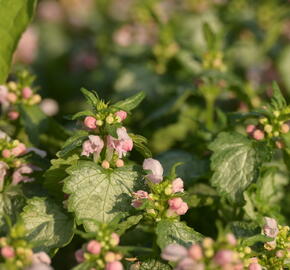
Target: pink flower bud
{"type": "Point", "coordinates": [280, 253]}
{"type": "Point", "coordinates": [139, 196]}
{"type": "Point", "coordinates": [231, 239]}
{"type": "Point", "coordinates": [106, 164]}
{"type": "Point", "coordinates": [174, 253]}
{"type": "Point", "coordinates": [195, 252]}
{"type": "Point", "coordinates": [153, 165]}
{"type": "Point", "coordinates": [250, 129]}
{"type": "Point", "coordinates": [6, 153]}
{"type": "Point", "coordinates": [26, 92]}
{"type": "Point", "coordinates": [175, 203]}
{"type": "Point", "coordinates": [258, 135]}
{"type": "Point", "coordinates": [115, 239]}
{"type": "Point", "coordinates": [41, 257]}
{"type": "Point", "coordinates": [93, 145]}
{"type": "Point", "coordinates": [94, 247]}
{"type": "Point", "coordinates": [255, 266]}
{"type": "Point", "coordinates": [188, 263]}
{"type": "Point", "coordinates": [285, 128]}
{"type": "Point", "coordinates": [13, 115]}
{"type": "Point", "coordinates": [11, 97]}
{"type": "Point", "coordinates": [114, 266]}
{"type": "Point", "coordinates": [177, 185]}
{"type": "Point", "coordinates": [20, 149]}
{"type": "Point", "coordinates": [79, 255]}
{"type": "Point", "coordinates": [119, 163]}
{"type": "Point", "coordinates": [182, 209]}
{"type": "Point", "coordinates": [90, 122]}
{"type": "Point", "coordinates": [121, 114]}
{"type": "Point", "coordinates": [223, 257]}
{"type": "Point", "coordinates": [7, 252]}
{"type": "Point", "coordinates": [177, 206]}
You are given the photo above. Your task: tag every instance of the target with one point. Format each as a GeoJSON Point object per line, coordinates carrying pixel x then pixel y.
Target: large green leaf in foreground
{"type": "Point", "coordinates": [15, 16]}
{"type": "Point", "coordinates": [99, 194]}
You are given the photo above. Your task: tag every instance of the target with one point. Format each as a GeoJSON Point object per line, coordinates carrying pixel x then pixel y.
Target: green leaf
{"type": "Point", "coordinates": [131, 102]}
{"type": "Point", "coordinates": [73, 142]}
{"type": "Point", "coordinates": [81, 114]}
{"type": "Point", "coordinates": [15, 16]}
{"type": "Point", "coordinates": [97, 193]}
{"type": "Point", "coordinates": [127, 224]}
{"type": "Point", "coordinates": [151, 264]}
{"type": "Point", "coordinates": [209, 36]}
{"type": "Point", "coordinates": [235, 164]}
{"type": "Point", "coordinates": [250, 241]}
{"type": "Point", "coordinates": [278, 102]}
{"type": "Point", "coordinates": [172, 231]}
{"type": "Point", "coordinates": [87, 265]}
{"type": "Point", "coordinates": [140, 144]}
{"type": "Point", "coordinates": [244, 229]}
{"type": "Point", "coordinates": [47, 224]}
{"type": "Point", "coordinates": [91, 97]}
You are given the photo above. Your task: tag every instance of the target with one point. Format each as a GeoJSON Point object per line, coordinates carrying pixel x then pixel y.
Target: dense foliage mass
{"type": "Point", "coordinates": [180, 160]}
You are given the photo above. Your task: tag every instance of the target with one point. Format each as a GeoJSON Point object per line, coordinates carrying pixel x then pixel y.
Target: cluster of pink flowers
{"type": "Point", "coordinates": [115, 148]}
{"type": "Point", "coordinates": [208, 256]}
{"type": "Point", "coordinates": [100, 252]}
{"type": "Point", "coordinates": [175, 206]}
{"type": "Point", "coordinates": [12, 94]}
{"type": "Point", "coordinates": [11, 161]}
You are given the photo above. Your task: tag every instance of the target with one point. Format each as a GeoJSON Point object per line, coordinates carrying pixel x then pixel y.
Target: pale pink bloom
{"type": "Point", "coordinates": [41, 257]}
{"type": "Point", "coordinates": [177, 206]}
{"type": "Point", "coordinates": [124, 36]}
{"type": "Point", "coordinates": [114, 266]}
{"type": "Point", "coordinates": [26, 92]}
{"type": "Point", "coordinates": [223, 257]}
{"type": "Point", "coordinates": [177, 185]}
{"type": "Point", "coordinates": [27, 47]}
{"type": "Point", "coordinates": [49, 106]}
{"type": "Point", "coordinates": [121, 114]}
{"type": "Point", "coordinates": [90, 122]}
{"type": "Point", "coordinates": [115, 239]}
{"type": "Point", "coordinates": [50, 11]}
{"type": "Point", "coordinates": [119, 163]}
{"type": "Point", "coordinates": [174, 252]}
{"type": "Point", "coordinates": [11, 97]}
{"type": "Point", "coordinates": [13, 115]}
{"type": "Point", "coordinates": [6, 153]}
{"type": "Point", "coordinates": [3, 170]}
{"type": "Point", "coordinates": [19, 150]}
{"type": "Point", "coordinates": [94, 247]}
{"type": "Point", "coordinates": [255, 266]}
{"type": "Point", "coordinates": [231, 239]}
{"type": "Point", "coordinates": [19, 175]}
{"type": "Point", "coordinates": [188, 264]}
{"type": "Point", "coordinates": [122, 144]}
{"type": "Point", "coordinates": [258, 135]}
{"type": "Point", "coordinates": [79, 255]}
{"type": "Point", "coordinates": [270, 228]}
{"type": "Point", "coordinates": [139, 196]}
{"type": "Point", "coordinates": [37, 151]}
{"type": "Point", "coordinates": [3, 95]}
{"type": "Point", "coordinates": [239, 266]}
{"type": "Point", "coordinates": [153, 165]}
{"type": "Point", "coordinates": [195, 252]}
{"type": "Point", "coordinates": [7, 252]}
{"type": "Point", "coordinates": [250, 129]}
{"type": "Point", "coordinates": [93, 145]}
{"type": "Point", "coordinates": [39, 266]}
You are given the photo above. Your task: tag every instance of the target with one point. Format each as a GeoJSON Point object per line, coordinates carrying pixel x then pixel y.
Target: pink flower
{"type": "Point", "coordinates": [20, 174]}
{"type": "Point", "coordinates": [250, 129]}
{"type": "Point", "coordinates": [258, 135]}
{"type": "Point", "coordinates": [139, 196]}
{"type": "Point", "coordinates": [115, 239]}
{"type": "Point", "coordinates": [121, 114]}
{"type": "Point", "coordinates": [93, 145]}
{"type": "Point", "coordinates": [231, 239]}
{"type": "Point", "coordinates": [270, 228]}
{"type": "Point", "coordinates": [114, 266]}
{"type": "Point", "coordinates": [255, 266]}
{"type": "Point", "coordinates": [19, 150]}
{"type": "Point", "coordinates": [94, 247]}
{"type": "Point", "coordinates": [3, 170]}
{"type": "Point", "coordinates": [79, 255]}
{"type": "Point", "coordinates": [6, 153]}
{"type": "Point", "coordinates": [49, 106]}
{"type": "Point", "coordinates": [195, 252]}
{"type": "Point", "coordinates": [7, 252]}
{"type": "Point", "coordinates": [188, 263]}
{"type": "Point", "coordinates": [177, 185]}
{"type": "Point", "coordinates": [223, 257]}
{"type": "Point", "coordinates": [26, 92]}
{"type": "Point", "coordinates": [119, 163]}
{"type": "Point", "coordinates": [174, 253]}
{"type": "Point", "coordinates": [90, 122]}
{"type": "Point", "coordinates": [153, 165]}
{"type": "Point", "coordinates": [11, 97]}
{"type": "Point", "coordinates": [122, 144]}
{"type": "Point", "coordinates": [41, 257]}
{"type": "Point", "coordinates": [177, 206]}
{"type": "Point", "coordinates": [3, 95]}
{"type": "Point", "coordinates": [13, 115]}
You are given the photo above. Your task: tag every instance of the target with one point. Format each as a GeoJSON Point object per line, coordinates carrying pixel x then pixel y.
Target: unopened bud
{"type": "Point", "coordinates": [268, 128]}
{"type": "Point", "coordinates": [276, 113]}
{"type": "Point", "coordinates": [263, 120]}
{"type": "Point", "coordinates": [35, 99]}
{"type": "Point", "coordinates": [119, 163]}
{"type": "Point", "coordinates": [258, 135]}
{"type": "Point", "coordinates": [168, 190]}
{"type": "Point", "coordinates": [99, 123]}
{"type": "Point", "coordinates": [106, 164]}
{"type": "Point", "coordinates": [110, 119]}
{"type": "Point", "coordinates": [12, 97]}
{"type": "Point", "coordinates": [207, 242]}
{"type": "Point", "coordinates": [284, 128]}
{"type": "Point", "coordinates": [110, 257]}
